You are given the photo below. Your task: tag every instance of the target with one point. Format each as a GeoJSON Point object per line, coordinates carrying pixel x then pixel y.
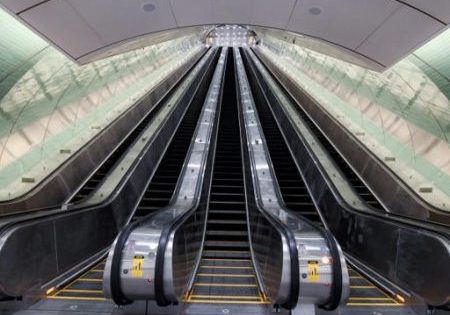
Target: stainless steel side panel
{"type": "Point", "coordinates": [310, 243]}
{"type": "Point", "coordinates": [183, 245]}
{"type": "Point", "coordinates": [65, 180]}
{"type": "Point", "coordinates": [395, 195]}
{"type": "Point", "coordinates": [415, 259]}
{"type": "Point", "coordinates": [36, 251]}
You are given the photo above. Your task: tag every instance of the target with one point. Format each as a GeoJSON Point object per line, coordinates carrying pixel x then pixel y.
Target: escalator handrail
{"type": "Point", "coordinates": [164, 225]}
{"type": "Point", "coordinates": [42, 183]}
{"type": "Point", "coordinates": [115, 281]}
{"type": "Point", "coordinates": [9, 229]}
{"type": "Point", "coordinates": [173, 226]}
{"type": "Point", "coordinates": [337, 285]}
{"type": "Point", "coordinates": [285, 233]}
{"type": "Point", "coordinates": [433, 227]}
{"type": "Point", "coordinates": [402, 223]}
{"type": "Point", "coordinates": [52, 212]}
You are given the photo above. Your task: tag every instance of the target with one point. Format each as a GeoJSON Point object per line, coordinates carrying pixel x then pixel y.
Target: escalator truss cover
{"type": "Point", "coordinates": [270, 203]}
{"type": "Point", "coordinates": [151, 231]}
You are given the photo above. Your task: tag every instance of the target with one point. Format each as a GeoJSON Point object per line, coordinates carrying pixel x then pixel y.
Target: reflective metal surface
{"type": "Point", "coordinates": [312, 248]}
{"type": "Point", "coordinates": [181, 244]}
{"type": "Point", "coordinates": [37, 250]}
{"type": "Point", "coordinates": [396, 249]}
{"type": "Point", "coordinates": [395, 194]}
{"type": "Point", "coordinates": [65, 180]}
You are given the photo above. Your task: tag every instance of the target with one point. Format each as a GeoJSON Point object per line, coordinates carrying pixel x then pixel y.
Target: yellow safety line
{"type": "Point", "coordinates": [357, 277]}
{"type": "Point", "coordinates": [76, 298]}
{"type": "Point", "coordinates": [363, 287]}
{"type": "Point", "coordinates": [97, 270]}
{"type": "Point", "coordinates": [224, 275]}
{"type": "Point", "coordinates": [371, 287]}
{"type": "Point", "coordinates": [226, 302]}
{"type": "Point", "coordinates": [228, 251]}
{"type": "Point", "coordinates": [373, 304]}
{"type": "Point", "coordinates": [90, 280]}
{"type": "Point", "coordinates": [226, 267]}
{"type": "Point", "coordinates": [81, 291]}
{"type": "Point", "coordinates": [77, 279]}
{"type": "Point", "coordinates": [371, 298]}
{"type": "Point", "coordinates": [225, 297]}
{"type": "Point", "coordinates": [225, 259]}
{"type": "Point", "coordinates": [225, 285]}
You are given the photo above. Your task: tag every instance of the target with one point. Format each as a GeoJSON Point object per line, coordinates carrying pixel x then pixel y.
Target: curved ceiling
{"type": "Point", "coordinates": [382, 31]}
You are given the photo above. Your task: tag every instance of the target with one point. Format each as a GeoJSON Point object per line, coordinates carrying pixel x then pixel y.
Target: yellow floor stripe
{"type": "Point", "coordinates": [226, 267]}
{"type": "Point", "coordinates": [371, 298]}
{"type": "Point", "coordinates": [76, 298]}
{"type": "Point", "coordinates": [226, 302]}
{"type": "Point", "coordinates": [90, 280]}
{"type": "Point", "coordinates": [97, 270]}
{"type": "Point", "coordinates": [363, 287]}
{"type": "Point", "coordinates": [225, 259]}
{"type": "Point", "coordinates": [373, 304]}
{"type": "Point", "coordinates": [218, 297]}
{"type": "Point", "coordinates": [227, 251]}
{"type": "Point", "coordinates": [224, 275]}
{"type": "Point", "coordinates": [225, 285]}
{"type": "Point", "coordinates": [81, 291]}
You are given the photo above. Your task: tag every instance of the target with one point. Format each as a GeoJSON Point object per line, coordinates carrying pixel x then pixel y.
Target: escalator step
{"type": "Point", "coordinates": [241, 254]}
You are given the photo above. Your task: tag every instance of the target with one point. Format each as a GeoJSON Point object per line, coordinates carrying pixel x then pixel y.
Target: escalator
{"type": "Point", "coordinates": [363, 293]}
{"type": "Point", "coordinates": [88, 286]}
{"type": "Point", "coordinates": [297, 198]}
{"type": "Point", "coordinates": [225, 274]}
{"type": "Point", "coordinates": [292, 187]}
{"type": "Point", "coordinates": [102, 172]}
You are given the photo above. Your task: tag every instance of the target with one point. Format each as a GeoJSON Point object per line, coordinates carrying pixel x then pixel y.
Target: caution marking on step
{"type": "Point", "coordinates": [138, 265]}
{"type": "Point", "coordinates": [313, 271]}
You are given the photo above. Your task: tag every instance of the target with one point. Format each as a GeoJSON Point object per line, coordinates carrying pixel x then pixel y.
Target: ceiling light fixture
{"type": "Point", "coordinates": [148, 7]}
{"type": "Point", "coordinates": [315, 10]}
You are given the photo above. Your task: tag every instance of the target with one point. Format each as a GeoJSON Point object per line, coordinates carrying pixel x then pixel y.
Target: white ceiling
{"type": "Point", "coordinates": [381, 30]}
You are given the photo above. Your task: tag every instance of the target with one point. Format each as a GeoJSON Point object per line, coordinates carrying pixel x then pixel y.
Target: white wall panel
{"type": "Point", "coordinates": [19, 5]}
{"type": "Point", "coordinates": [187, 12]}
{"type": "Point", "coordinates": [62, 24]}
{"type": "Point", "coordinates": [274, 13]}
{"type": "Point", "coordinates": [116, 20]}
{"type": "Point", "coordinates": [383, 30]}
{"type": "Point", "coordinates": [345, 22]}
{"type": "Point", "coordinates": [437, 8]}
{"type": "Point", "coordinates": [403, 31]}
{"type": "Point", "coordinates": [233, 11]}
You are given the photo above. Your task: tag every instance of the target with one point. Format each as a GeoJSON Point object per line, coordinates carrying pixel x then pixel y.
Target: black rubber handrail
{"type": "Point", "coordinates": [281, 228]}
{"type": "Point", "coordinates": [336, 293]}
{"type": "Point", "coordinates": [431, 226]}
{"type": "Point", "coordinates": [160, 295]}
{"type": "Point", "coordinates": [70, 159]}
{"type": "Point", "coordinates": [39, 214]}
{"type": "Point", "coordinates": [116, 290]}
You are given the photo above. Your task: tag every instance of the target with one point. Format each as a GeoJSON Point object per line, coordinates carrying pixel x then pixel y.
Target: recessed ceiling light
{"type": "Point", "coordinates": [149, 7]}
{"type": "Point", "coordinates": [315, 10]}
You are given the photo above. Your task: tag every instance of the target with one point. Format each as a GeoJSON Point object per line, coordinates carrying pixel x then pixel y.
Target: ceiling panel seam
{"type": "Point", "coordinates": [332, 43]}
{"type": "Point", "coordinates": [422, 11]}
{"type": "Point", "coordinates": [399, 6]}
{"type": "Point", "coordinates": [290, 15]}
{"type": "Point", "coordinates": [173, 14]}
{"type": "Point", "coordinates": [32, 7]}
{"type": "Point", "coordinates": [99, 36]}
